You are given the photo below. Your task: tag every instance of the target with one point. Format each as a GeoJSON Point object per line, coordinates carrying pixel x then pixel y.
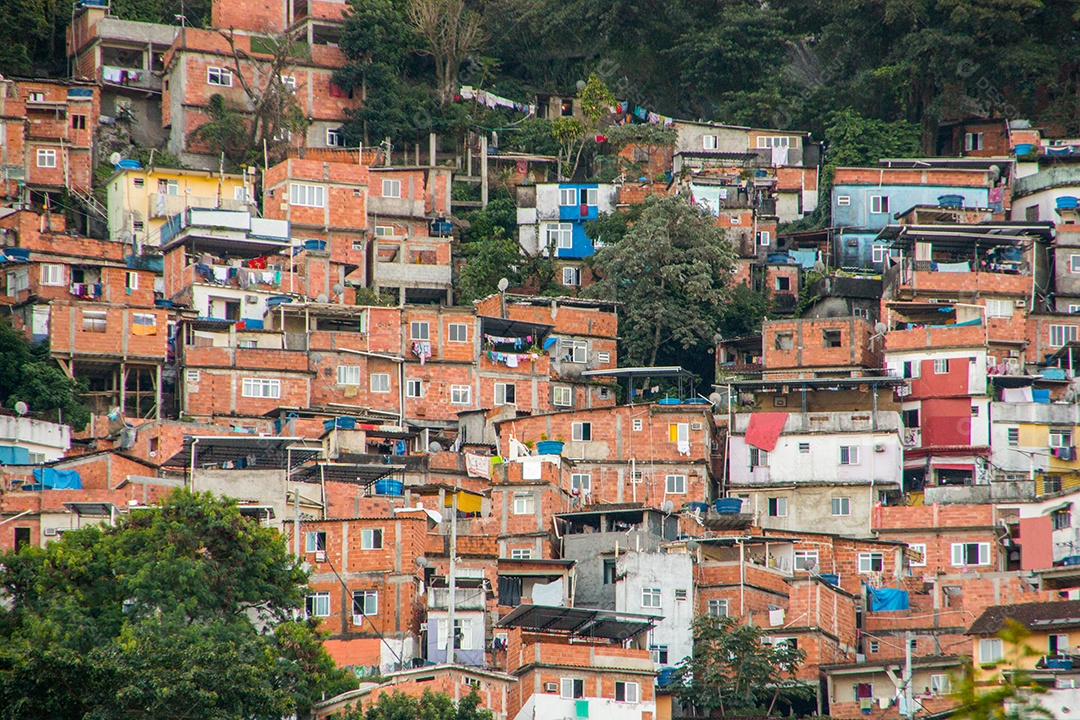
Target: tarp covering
{"type": "Point", "coordinates": [884, 599]}
{"type": "Point", "coordinates": [53, 479]}
{"type": "Point", "coordinates": [764, 429]}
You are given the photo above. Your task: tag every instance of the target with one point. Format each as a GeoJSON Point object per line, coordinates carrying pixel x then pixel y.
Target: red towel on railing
{"type": "Point", "coordinates": [764, 429]}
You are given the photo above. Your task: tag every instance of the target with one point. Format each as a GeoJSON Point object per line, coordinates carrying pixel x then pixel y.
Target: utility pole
{"type": "Point", "coordinates": [483, 170]}
{"type": "Point", "coordinates": [909, 695]}
{"type": "Point", "coordinates": [451, 632]}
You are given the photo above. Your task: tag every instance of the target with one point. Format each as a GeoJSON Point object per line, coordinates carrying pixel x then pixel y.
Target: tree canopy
{"type": "Point", "coordinates": [186, 610]}
{"type": "Point", "coordinates": [429, 706]}
{"type": "Point", "coordinates": [670, 271]}
{"type": "Point", "coordinates": [29, 374]}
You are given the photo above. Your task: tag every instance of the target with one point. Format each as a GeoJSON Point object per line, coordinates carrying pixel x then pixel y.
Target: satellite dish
{"type": "Point", "coordinates": [811, 563]}
{"type": "Point", "coordinates": [580, 85]}
{"type": "Point", "coordinates": [21, 407]}
{"type": "Point", "coordinates": [322, 298]}
{"type": "Point", "coordinates": [338, 288]}
{"type": "Point", "coordinates": [691, 545]}
{"type": "Point", "coordinates": [716, 398]}
{"type": "Point", "coordinates": [819, 266]}
{"type": "Point", "coordinates": [995, 172]}
{"type": "Point", "coordinates": [316, 358]}
{"type": "Point", "coordinates": [881, 328]}
{"type": "Point", "coordinates": [421, 561]}
{"type": "Point", "coordinates": [503, 284]}
{"type": "Point", "coordinates": [434, 447]}
{"type": "Point", "coordinates": [115, 158]}
{"type": "Point", "coordinates": [668, 506]}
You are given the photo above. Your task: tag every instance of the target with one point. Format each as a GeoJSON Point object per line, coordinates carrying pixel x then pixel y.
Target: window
{"type": "Point", "coordinates": [709, 142]}
{"type": "Point", "coordinates": [1031, 213]}
{"type": "Point", "coordinates": [804, 448]}
{"type": "Point", "coordinates": [676, 485]}
{"type": "Point", "coordinates": [1062, 519]}
{"type": "Point", "coordinates": [371, 539]}
{"type": "Point", "coordinates": [318, 604]}
{"type": "Point", "coordinates": [505, 393]}
{"type": "Point", "coordinates": [841, 506]}
{"type": "Point", "coordinates": [52, 275]}
{"type": "Point", "coordinates": [218, 76]}
{"type": "Point", "coordinates": [334, 137]}
{"type": "Point", "coordinates": [939, 684]}
{"type": "Point", "coordinates": [307, 195]}
{"type": "Point", "coordinates": [871, 562]}
{"type": "Point", "coordinates": [964, 554]}
{"type": "Point", "coordinates": [524, 504]}
{"type": "Point", "coordinates": [463, 634]}
{"type": "Point", "coordinates": [771, 141]}
{"type": "Point", "coordinates": [46, 158]}
{"type": "Point", "coordinates": [384, 231]}
{"type": "Point", "coordinates": [764, 237]}
{"type": "Point", "coordinates": [567, 196]}
{"type": "Point", "coordinates": [1061, 334]}
{"type": "Point", "coordinates": [609, 571]}
{"type": "Point", "coordinates": [261, 388]}
{"type": "Point", "coordinates": [581, 482]}
{"type": "Point", "coordinates": [1058, 643]}
{"type": "Point", "coordinates": [784, 341]}
{"type": "Point", "coordinates": [783, 284]}
{"type": "Point", "coordinates": [917, 554]}
{"type": "Point", "coordinates": [571, 276]}
{"type": "Point", "coordinates": [941, 367]}
{"type": "Point", "coordinates": [460, 395]}
{"type": "Point", "coordinates": [314, 541]}
{"type": "Point", "coordinates": [562, 396]}
{"type": "Point", "coordinates": [458, 332]}
{"type": "Point", "coordinates": [578, 351]}
{"type": "Point", "coordinates": [628, 691]}
{"type": "Point", "coordinates": [131, 282]}
{"type": "Point", "coordinates": [240, 194]}
{"type": "Point", "coordinates": [78, 122]}
{"type": "Point", "coordinates": [36, 97]}
{"type": "Point", "coordinates": [581, 432]}
{"type": "Point", "coordinates": [419, 330]}
{"type": "Point", "coordinates": [758, 458]}
{"type": "Point", "coordinates": [560, 235]}
{"type": "Point", "coordinates": [880, 253]}
{"type": "Point", "coordinates": [806, 559]}
{"type": "Point", "coordinates": [678, 432]}
{"type": "Point", "coordinates": [777, 507]}
{"type": "Point", "coordinates": [973, 141]}
{"type": "Point", "coordinates": [831, 339]}
{"type": "Point", "coordinates": [879, 204]}
{"type": "Point", "coordinates": [93, 321]}
{"type": "Point", "coordinates": [659, 654]}
{"type": "Point", "coordinates": [364, 602]}
{"type": "Point", "coordinates": [996, 307]}
{"type": "Point", "coordinates": [380, 382]}
{"type": "Point", "coordinates": [650, 597]}
{"type": "Point", "coordinates": [521, 554]}
{"type": "Point", "coordinates": [990, 650]}
{"type": "Point", "coordinates": [680, 595]}
{"type": "Point", "coordinates": [244, 344]}
{"type": "Point", "coordinates": [1013, 437]}
{"type": "Point", "coordinates": [718, 608]}
{"type": "Point", "coordinates": [348, 374]}
{"type": "Point", "coordinates": [591, 196]}
{"type": "Point", "coordinates": [911, 369]}
{"type": "Point", "coordinates": [414, 388]}
{"type": "Point", "coordinates": [843, 200]}
{"type": "Point", "coordinates": [849, 454]}
{"type": "Point", "coordinates": [1060, 437]}
{"type": "Point", "coordinates": [873, 646]}
{"type": "Point", "coordinates": [638, 425]}
{"type": "Point", "coordinates": [1073, 309]}
{"type": "Point", "coordinates": [391, 188]}
{"type": "Point", "coordinates": [571, 688]}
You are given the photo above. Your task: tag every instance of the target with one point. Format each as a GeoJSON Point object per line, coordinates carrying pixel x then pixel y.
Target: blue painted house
{"type": "Point", "coordinates": [551, 220]}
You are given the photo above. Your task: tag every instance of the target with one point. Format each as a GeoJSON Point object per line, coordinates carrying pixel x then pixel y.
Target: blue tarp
{"type": "Point", "coordinates": [14, 456]}
{"type": "Point", "coordinates": [1040, 396]}
{"type": "Point", "coordinates": [548, 342]}
{"type": "Point", "coordinates": [53, 479]}
{"type": "Point", "coordinates": [884, 599]}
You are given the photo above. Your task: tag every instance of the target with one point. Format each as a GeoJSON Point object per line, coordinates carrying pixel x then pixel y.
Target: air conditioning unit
{"type": "Point", "coordinates": [1014, 353]}
{"type": "Point", "coordinates": [320, 556]}
{"type": "Point", "coordinates": [695, 426]}
{"type": "Point", "coordinates": [551, 687]}
{"type": "Point", "coordinates": [192, 376]}
{"type": "Point", "coordinates": [1019, 303]}
{"type": "Point", "coordinates": [879, 447]}
{"type": "Point", "coordinates": [50, 532]}
{"type": "Point", "coordinates": [251, 299]}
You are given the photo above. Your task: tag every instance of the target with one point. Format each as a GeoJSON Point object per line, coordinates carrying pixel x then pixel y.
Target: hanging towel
{"type": "Point", "coordinates": [478, 466]}
{"type": "Point", "coordinates": [684, 447]}
{"type": "Point", "coordinates": [1016, 395]}
{"type": "Point", "coordinates": [764, 429]}
{"type": "Point", "coordinates": [512, 360]}
{"type": "Point", "coordinates": [221, 275]}
{"type": "Point", "coordinates": [776, 617]}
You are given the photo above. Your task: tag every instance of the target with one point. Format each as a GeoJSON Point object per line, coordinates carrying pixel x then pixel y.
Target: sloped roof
{"type": "Point", "coordinates": [1048, 616]}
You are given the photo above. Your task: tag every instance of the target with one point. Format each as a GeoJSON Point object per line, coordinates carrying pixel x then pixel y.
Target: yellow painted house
{"type": "Point", "coordinates": [1037, 441]}
{"type": "Point", "coordinates": [1050, 650]}
{"type": "Point", "coordinates": [140, 200]}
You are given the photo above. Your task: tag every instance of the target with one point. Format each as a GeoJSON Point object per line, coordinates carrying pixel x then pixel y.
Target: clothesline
{"type": "Point", "coordinates": [491, 100]}
{"type": "Point", "coordinates": [517, 342]}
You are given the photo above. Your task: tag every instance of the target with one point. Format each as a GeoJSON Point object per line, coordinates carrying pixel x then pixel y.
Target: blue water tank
{"type": "Point", "coordinates": [389, 487]}
{"type": "Point", "coordinates": [129, 165]}
{"type": "Point", "coordinates": [1024, 148]}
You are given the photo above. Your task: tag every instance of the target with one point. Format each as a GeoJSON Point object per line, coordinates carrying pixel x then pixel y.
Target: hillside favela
{"type": "Point", "coordinates": [539, 359]}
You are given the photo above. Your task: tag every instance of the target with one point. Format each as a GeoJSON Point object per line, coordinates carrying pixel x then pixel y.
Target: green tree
{"type": "Point", "coordinates": [185, 610]}
{"type": "Point", "coordinates": [429, 706]}
{"type": "Point", "coordinates": [486, 261]}
{"type": "Point", "coordinates": [450, 32]}
{"type": "Point", "coordinates": [853, 140]}
{"type": "Point", "coordinates": [29, 374]}
{"type": "Point", "coordinates": [225, 132]}
{"type": "Point", "coordinates": [744, 311]}
{"type": "Point", "coordinates": [670, 271]}
{"type": "Point", "coordinates": [731, 671]}
{"type": "Point", "coordinates": [500, 213]}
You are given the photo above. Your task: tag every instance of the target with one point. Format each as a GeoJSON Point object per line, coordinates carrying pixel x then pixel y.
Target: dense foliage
{"type": "Point", "coordinates": [429, 706]}
{"type": "Point", "coordinates": [185, 610]}
{"type": "Point", "coordinates": [29, 374]}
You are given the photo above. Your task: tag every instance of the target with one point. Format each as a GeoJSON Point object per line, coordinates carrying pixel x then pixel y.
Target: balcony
{"type": "Point", "coordinates": [1054, 177]}
{"type": "Point", "coordinates": [165, 206]}
{"type": "Point", "coordinates": [412, 275]}
{"type": "Point", "coordinates": [829, 422]}
{"type": "Point", "coordinates": [133, 78]}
